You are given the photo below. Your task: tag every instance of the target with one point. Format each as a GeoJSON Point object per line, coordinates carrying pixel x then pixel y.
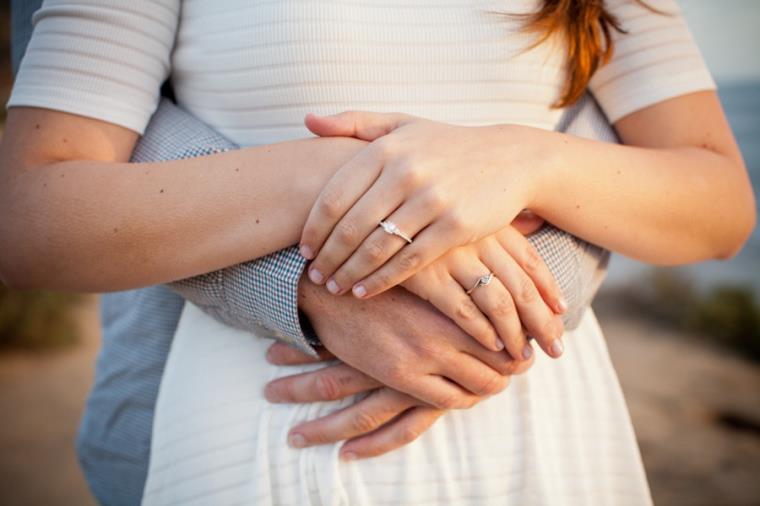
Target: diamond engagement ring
{"type": "Point", "coordinates": [391, 228]}
{"type": "Point", "coordinates": [482, 281]}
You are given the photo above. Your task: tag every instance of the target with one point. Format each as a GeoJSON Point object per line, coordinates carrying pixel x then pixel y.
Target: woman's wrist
{"type": "Point", "coordinates": [536, 151]}
{"type": "Point", "coordinates": [329, 154]}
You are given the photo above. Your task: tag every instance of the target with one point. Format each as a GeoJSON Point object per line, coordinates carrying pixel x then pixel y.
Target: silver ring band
{"type": "Point", "coordinates": [391, 228]}
{"type": "Point", "coordinates": [482, 281]}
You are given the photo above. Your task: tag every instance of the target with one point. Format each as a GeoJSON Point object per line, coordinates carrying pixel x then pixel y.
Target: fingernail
{"type": "Point", "coordinates": [557, 348]}
{"type": "Point", "coordinates": [316, 276]}
{"type": "Point", "coordinates": [306, 252]}
{"type": "Point", "coordinates": [348, 456]}
{"type": "Point", "coordinates": [562, 305]}
{"type": "Point", "coordinates": [359, 291]}
{"type": "Point", "coordinates": [499, 345]}
{"type": "Point", "coordinates": [296, 440]}
{"type": "Point", "coordinates": [332, 286]}
{"type": "Point", "coordinates": [527, 352]}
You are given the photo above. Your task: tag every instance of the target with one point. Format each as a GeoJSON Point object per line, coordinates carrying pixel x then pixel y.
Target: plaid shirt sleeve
{"type": "Point", "coordinates": [260, 295]}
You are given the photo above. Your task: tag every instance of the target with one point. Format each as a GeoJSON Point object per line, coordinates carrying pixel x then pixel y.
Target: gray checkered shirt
{"type": "Point", "coordinates": [138, 325]}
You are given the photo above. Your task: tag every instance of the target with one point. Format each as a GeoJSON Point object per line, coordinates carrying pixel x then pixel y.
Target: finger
{"type": "Point", "coordinates": [501, 362]}
{"type": "Point", "coordinates": [410, 218]}
{"type": "Point", "coordinates": [434, 390]}
{"type": "Point", "coordinates": [360, 418]}
{"type": "Point", "coordinates": [476, 377]}
{"type": "Point", "coordinates": [359, 222]}
{"type": "Point", "coordinates": [342, 191]}
{"type": "Point", "coordinates": [402, 431]}
{"type": "Point", "coordinates": [283, 354]}
{"type": "Point", "coordinates": [360, 124]}
{"type": "Point", "coordinates": [495, 301]}
{"type": "Point", "coordinates": [429, 245]}
{"type": "Point", "coordinates": [528, 258]}
{"type": "Point", "coordinates": [535, 315]}
{"type": "Point", "coordinates": [527, 222]}
{"type": "Point", "coordinates": [447, 295]}
{"type": "Point", "coordinates": [328, 384]}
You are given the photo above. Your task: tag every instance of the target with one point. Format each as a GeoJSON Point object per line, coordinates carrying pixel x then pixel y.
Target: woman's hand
{"type": "Point", "coordinates": [521, 298]}
{"type": "Point", "coordinates": [443, 185]}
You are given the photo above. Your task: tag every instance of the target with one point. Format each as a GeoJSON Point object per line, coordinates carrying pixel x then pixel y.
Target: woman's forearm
{"type": "Point", "coordinates": [101, 226]}
{"type": "Point", "coordinates": [658, 205]}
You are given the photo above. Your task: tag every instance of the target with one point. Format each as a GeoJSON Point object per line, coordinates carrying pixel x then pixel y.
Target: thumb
{"type": "Point", "coordinates": [363, 125]}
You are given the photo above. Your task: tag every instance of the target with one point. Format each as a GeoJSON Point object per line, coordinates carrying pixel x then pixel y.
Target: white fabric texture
{"type": "Point", "coordinates": [559, 435]}
{"type": "Point", "coordinates": [251, 69]}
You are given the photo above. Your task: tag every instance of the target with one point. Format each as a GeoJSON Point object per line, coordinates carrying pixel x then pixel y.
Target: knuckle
{"type": "Point", "coordinates": [466, 310]}
{"type": "Point", "coordinates": [410, 260]}
{"type": "Point", "coordinates": [378, 280]}
{"type": "Point", "coordinates": [489, 385]}
{"type": "Point", "coordinates": [374, 251]}
{"type": "Point", "coordinates": [327, 387]}
{"type": "Point", "coordinates": [434, 201]}
{"type": "Point", "coordinates": [510, 367]}
{"type": "Point", "coordinates": [330, 204]}
{"type": "Point", "coordinates": [408, 174]}
{"type": "Point", "coordinates": [446, 402]}
{"type": "Point", "coordinates": [407, 434]}
{"type": "Point", "coordinates": [347, 232]}
{"type": "Point", "coordinates": [383, 148]}
{"type": "Point", "coordinates": [548, 329]}
{"type": "Point", "coordinates": [527, 292]}
{"type": "Point", "coordinates": [504, 307]}
{"type": "Point", "coordinates": [363, 422]}
{"type": "Point", "coordinates": [396, 374]}
{"type": "Point", "coordinates": [454, 401]}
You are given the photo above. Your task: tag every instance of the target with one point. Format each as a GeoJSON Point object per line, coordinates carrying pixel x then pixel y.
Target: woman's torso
{"type": "Point", "coordinates": [253, 69]}
{"type": "Point", "coordinates": [559, 435]}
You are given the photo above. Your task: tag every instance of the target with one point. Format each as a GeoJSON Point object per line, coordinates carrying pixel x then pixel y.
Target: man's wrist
{"type": "Point", "coordinates": [537, 148]}
{"type": "Point", "coordinates": [310, 296]}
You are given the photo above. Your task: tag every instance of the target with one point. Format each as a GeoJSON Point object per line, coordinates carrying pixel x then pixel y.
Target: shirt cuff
{"type": "Point", "coordinates": [268, 288]}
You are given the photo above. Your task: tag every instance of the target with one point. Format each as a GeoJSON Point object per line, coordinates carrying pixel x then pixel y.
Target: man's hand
{"type": "Point", "coordinates": [397, 340]}
{"type": "Point", "coordinates": [405, 343]}
{"type": "Point", "coordinates": [381, 422]}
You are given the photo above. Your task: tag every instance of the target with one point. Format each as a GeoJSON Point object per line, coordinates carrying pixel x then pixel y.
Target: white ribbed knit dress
{"type": "Point", "coordinates": [560, 434]}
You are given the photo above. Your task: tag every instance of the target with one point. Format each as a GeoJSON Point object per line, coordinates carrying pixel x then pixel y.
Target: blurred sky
{"type": "Point", "coordinates": [728, 33]}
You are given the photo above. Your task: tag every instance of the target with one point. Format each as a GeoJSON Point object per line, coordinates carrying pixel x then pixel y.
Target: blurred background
{"type": "Point", "coordinates": [685, 342]}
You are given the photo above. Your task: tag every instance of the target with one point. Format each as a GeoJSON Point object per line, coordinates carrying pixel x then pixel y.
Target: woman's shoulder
{"type": "Point", "coordinates": [655, 58]}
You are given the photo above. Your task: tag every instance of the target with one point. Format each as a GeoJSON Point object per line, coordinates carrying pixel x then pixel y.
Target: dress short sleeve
{"type": "Point", "coordinates": [104, 59]}
{"type": "Point", "coordinates": [655, 60]}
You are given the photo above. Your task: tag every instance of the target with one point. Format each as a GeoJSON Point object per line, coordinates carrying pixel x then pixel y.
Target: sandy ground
{"type": "Point", "coordinates": [695, 409]}
{"type": "Point", "coordinates": [41, 398]}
